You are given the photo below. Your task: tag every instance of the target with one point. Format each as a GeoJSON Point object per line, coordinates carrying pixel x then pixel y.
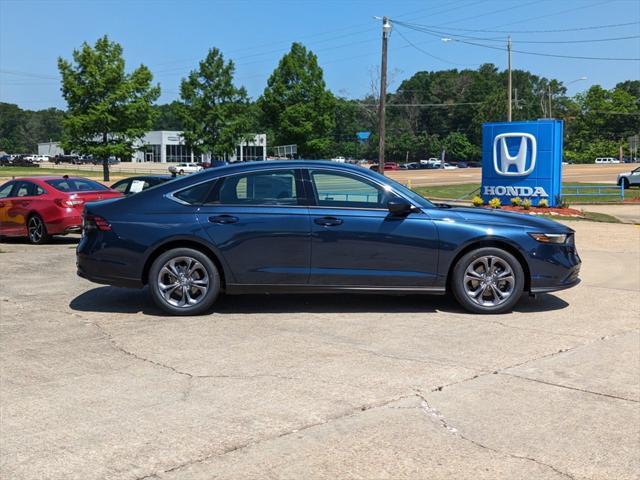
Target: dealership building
{"type": "Point", "coordinates": [167, 146]}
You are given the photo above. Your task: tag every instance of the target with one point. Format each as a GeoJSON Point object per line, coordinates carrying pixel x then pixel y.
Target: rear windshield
{"type": "Point", "coordinates": [76, 185]}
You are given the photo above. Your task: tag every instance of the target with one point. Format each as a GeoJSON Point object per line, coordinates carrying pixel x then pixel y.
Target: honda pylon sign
{"type": "Point", "coordinates": [522, 159]}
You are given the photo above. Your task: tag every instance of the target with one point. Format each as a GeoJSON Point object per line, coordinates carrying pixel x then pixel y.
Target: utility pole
{"type": "Point", "coordinates": [550, 114]}
{"type": "Point", "coordinates": [509, 92]}
{"type": "Point", "coordinates": [386, 29]}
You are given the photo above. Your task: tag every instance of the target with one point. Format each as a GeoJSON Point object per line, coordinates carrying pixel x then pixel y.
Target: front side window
{"type": "Point", "coordinates": [339, 190]}
{"type": "Point", "coordinates": [5, 190]}
{"type": "Point", "coordinates": [271, 187]}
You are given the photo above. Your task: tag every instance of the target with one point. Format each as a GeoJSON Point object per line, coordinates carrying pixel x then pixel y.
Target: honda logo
{"type": "Point", "coordinates": [505, 161]}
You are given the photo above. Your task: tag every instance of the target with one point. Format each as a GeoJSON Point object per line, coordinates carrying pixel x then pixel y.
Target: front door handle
{"type": "Point", "coordinates": [328, 221]}
{"type": "Point", "coordinates": [223, 219]}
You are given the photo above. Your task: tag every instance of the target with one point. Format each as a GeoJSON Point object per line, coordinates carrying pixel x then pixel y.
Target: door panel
{"type": "Point", "coordinates": [257, 222]}
{"type": "Point", "coordinates": [356, 241]}
{"type": "Point", "coordinates": [261, 244]}
{"type": "Point", "coordinates": [372, 248]}
{"type": "Point", "coordinates": [20, 204]}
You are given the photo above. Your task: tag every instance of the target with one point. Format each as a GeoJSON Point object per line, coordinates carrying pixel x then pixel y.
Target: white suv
{"type": "Point", "coordinates": [630, 179]}
{"type": "Point", "coordinates": [182, 168]}
{"type": "Point", "coordinates": [606, 160]}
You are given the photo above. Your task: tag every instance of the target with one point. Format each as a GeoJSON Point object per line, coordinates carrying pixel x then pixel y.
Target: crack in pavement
{"type": "Point", "coordinates": [129, 353]}
{"type": "Point", "coordinates": [570, 388]}
{"type": "Point", "coordinates": [437, 416]}
{"type": "Point", "coordinates": [345, 414]}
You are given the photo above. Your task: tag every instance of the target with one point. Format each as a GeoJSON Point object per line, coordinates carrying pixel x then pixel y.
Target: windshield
{"type": "Point", "coordinates": [69, 185]}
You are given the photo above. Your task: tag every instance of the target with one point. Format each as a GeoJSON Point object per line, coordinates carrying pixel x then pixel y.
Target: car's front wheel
{"type": "Point", "coordinates": [624, 182]}
{"type": "Point", "coordinates": [488, 280]}
{"type": "Point", "coordinates": [184, 281]}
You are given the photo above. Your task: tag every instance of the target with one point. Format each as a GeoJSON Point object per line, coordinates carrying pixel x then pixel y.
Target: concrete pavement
{"type": "Point", "coordinates": [97, 384]}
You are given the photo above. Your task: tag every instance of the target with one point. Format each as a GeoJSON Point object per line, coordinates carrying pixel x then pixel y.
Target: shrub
{"type": "Point", "coordinates": [544, 203]}
{"type": "Point", "coordinates": [495, 203]}
{"type": "Point", "coordinates": [516, 201]}
{"type": "Point", "coordinates": [477, 201]}
{"type": "Point", "coordinates": [526, 204]}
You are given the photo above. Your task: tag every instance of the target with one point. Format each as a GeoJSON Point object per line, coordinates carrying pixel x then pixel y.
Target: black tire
{"type": "Point", "coordinates": [624, 182]}
{"type": "Point", "coordinates": [458, 285]}
{"type": "Point", "coordinates": [204, 302]}
{"type": "Point", "coordinates": [37, 230]}
{"type": "Point", "coordinates": [181, 172]}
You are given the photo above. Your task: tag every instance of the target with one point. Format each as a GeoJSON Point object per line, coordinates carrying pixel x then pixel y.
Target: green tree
{"type": "Point", "coordinates": [214, 111]}
{"type": "Point", "coordinates": [167, 116]}
{"type": "Point", "coordinates": [296, 105]}
{"type": "Point", "coordinates": [108, 109]}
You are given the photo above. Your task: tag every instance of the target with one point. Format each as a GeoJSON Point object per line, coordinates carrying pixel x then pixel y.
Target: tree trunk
{"type": "Point", "coordinates": [105, 161]}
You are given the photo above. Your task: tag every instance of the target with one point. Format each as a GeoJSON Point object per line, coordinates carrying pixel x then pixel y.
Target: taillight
{"type": "Point", "coordinates": [95, 222]}
{"type": "Point", "coordinates": [69, 202]}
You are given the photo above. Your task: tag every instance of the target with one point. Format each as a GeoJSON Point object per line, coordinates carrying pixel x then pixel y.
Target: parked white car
{"type": "Point", "coordinates": [630, 179]}
{"type": "Point", "coordinates": [339, 159]}
{"type": "Point", "coordinates": [182, 168]}
{"type": "Point", "coordinates": [606, 160]}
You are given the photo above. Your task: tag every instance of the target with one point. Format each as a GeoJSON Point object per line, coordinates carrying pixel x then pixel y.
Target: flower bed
{"type": "Point", "coordinates": [564, 212]}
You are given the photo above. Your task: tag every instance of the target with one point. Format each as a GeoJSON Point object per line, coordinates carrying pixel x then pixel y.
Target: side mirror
{"type": "Point", "coordinates": [399, 207]}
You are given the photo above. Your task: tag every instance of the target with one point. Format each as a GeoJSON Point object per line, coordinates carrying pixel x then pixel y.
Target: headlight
{"type": "Point", "coordinates": [556, 238]}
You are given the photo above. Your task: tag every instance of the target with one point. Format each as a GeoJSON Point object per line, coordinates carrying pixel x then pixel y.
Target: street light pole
{"type": "Point", "coordinates": [510, 86]}
{"type": "Point", "coordinates": [386, 29]}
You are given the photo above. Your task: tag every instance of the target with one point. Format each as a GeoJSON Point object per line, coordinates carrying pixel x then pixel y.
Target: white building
{"type": "Point", "coordinates": [50, 148]}
{"type": "Point", "coordinates": [167, 146]}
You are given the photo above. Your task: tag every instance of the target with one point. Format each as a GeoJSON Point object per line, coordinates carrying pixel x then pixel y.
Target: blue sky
{"type": "Point", "coordinates": [171, 36]}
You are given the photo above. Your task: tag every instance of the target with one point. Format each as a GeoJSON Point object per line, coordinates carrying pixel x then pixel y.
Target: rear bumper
{"type": "Point", "coordinates": [66, 223]}
{"type": "Point", "coordinates": [92, 272]}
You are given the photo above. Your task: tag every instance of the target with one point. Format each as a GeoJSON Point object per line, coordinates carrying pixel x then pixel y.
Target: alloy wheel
{"type": "Point", "coordinates": [489, 281]}
{"type": "Point", "coordinates": [183, 282]}
{"type": "Point", "coordinates": [36, 229]}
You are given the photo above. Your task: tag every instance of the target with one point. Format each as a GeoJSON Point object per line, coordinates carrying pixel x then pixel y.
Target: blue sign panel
{"type": "Point", "coordinates": [522, 159]}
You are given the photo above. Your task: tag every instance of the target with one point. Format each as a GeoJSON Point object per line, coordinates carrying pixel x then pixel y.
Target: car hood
{"type": "Point", "coordinates": [487, 216]}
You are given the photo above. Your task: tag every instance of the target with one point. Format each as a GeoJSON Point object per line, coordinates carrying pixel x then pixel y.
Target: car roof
{"type": "Point", "coordinates": [268, 164]}
{"type": "Point", "coordinates": [44, 178]}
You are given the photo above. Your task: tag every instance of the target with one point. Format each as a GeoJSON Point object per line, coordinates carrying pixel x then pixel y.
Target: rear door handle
{"type": "Point", "coordinates": [328, 221]}
{"type": "Point", "coordinates": [223, 219]}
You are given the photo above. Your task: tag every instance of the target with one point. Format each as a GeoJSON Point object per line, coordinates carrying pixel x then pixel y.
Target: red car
{"type": "Point", "coordinates": [38, 207]}
{"type": "Point", "coordinates": [387, 166]}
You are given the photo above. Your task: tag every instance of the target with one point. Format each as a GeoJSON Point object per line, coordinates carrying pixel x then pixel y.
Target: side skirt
{"type": "Point", "coordinates": [238, 289]}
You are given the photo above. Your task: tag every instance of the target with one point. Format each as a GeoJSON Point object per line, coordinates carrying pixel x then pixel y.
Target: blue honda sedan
{"type": "Point", "coordinates": [308, 227]}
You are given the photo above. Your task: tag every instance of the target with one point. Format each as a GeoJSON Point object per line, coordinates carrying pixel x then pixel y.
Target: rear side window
{"type": "Point", "coordinates": [195, 195]}
{"type": "Point", "coordinates": [25, 189]}
{"type": "Point", "coordinates": [76, 185]}
{"type": "Point", "coordinates": [271, 187]}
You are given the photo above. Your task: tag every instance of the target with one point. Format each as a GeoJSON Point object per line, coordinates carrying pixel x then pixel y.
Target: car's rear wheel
{"type": "Point", "coordinates": [37, 230]}
{"type": "Point", "coordinates": [488, 280]}
{"type": "Point", "coordinates": [184, 281]}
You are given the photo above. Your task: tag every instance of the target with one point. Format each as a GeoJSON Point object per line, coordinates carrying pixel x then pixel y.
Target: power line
{"type": "Point", "coordinates": [524, 52]}
{"type": "Point", "coordinates": [503, 39]}
{"type": "Point", "coordinates": [427, 53]}
{"type": "Point", "coordinates": [596, 27]}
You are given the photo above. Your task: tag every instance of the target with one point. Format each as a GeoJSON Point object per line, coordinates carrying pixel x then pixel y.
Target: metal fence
{"type": "Point", "coordinates": [596, 192]}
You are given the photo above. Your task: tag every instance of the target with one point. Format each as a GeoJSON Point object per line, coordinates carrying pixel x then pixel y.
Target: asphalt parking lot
{"type": "Point", "coordinates": [96, 384]}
